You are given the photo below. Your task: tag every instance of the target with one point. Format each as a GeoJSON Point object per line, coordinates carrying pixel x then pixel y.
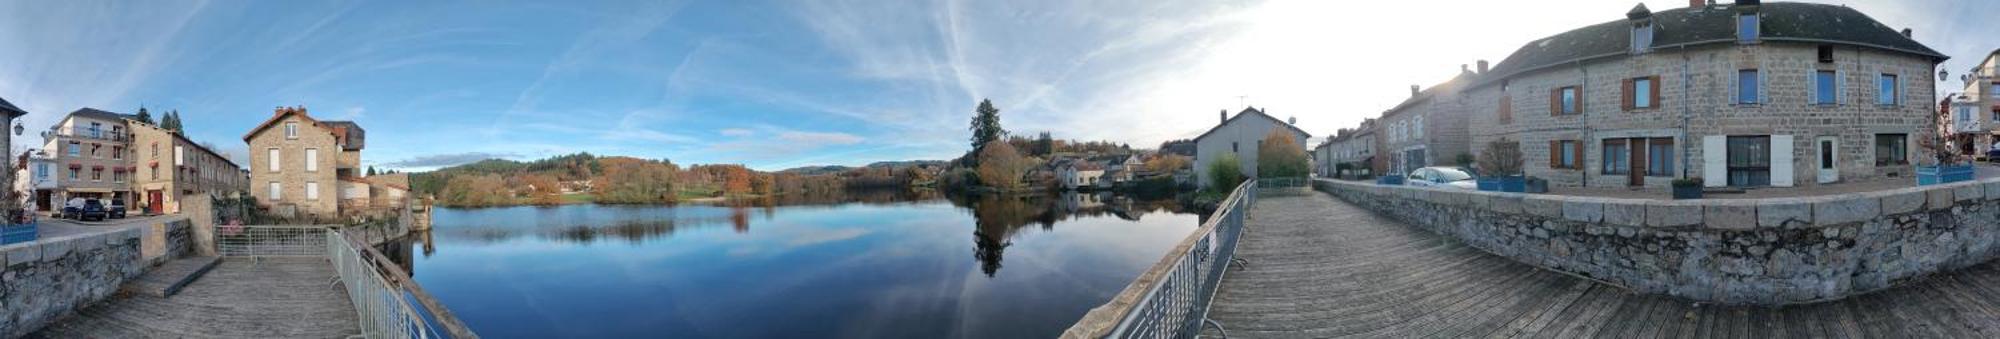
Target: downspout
{"type": "Point", "coordinates": [1587, 129]}
{"type": "Point", "coordinates": [1687, 82]}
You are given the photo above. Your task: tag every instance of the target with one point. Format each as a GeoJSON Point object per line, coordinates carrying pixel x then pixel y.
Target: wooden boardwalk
{"type": "Point", "coordinates": [1319, 267]}
{"type": "Point", "coordinates": [274, 298]}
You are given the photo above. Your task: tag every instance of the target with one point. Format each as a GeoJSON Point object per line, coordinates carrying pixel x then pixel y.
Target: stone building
{"type": "Point", "coordinates": [168, 167]}
{"type": "Point", "coordinates": [1428, 129]}
{"type": "Point", "coordinates": [1241, 135]}
{"type": "Point", "coordinates": [1352, 147]}
{"type": "Point", "coordinates": [1976, 109]}
{"type": "Point", "coordinates": [91, 149]}
{"type": "Point", "coordinates": [7, 115]}
{"type": "Point", "coordinates": [1748, 95]}
{"type": "Point", "coordinates": [298, 164]}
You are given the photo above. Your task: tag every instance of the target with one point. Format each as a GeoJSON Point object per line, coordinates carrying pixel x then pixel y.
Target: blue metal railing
{"type": "Point", "coordinates": [1179, 289]}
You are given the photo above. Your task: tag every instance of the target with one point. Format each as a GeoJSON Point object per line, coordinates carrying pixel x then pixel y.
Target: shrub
{"type": "Point", "coordinates": [1226, 171]}
{"type": "Point", "coordinates": [1500, 158]}
{"type": "Point", "coordinates": [1280, 156]}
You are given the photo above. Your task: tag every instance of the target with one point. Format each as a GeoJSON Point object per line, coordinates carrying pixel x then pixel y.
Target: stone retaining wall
{"type": "Point", "coordinates": [1751, 251]}
{"type": "Point", "coordinates": [48, 279]}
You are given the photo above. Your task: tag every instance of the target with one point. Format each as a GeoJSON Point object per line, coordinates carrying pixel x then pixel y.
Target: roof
{"type": "Point", "coordinates": [134, 120]}
{"type": "Point", "coordinates": [93, 113]}
{"type": "Point", "coordinates": [1253, 112]}
{"type": "Point", "coordinates": [9, 108]}
{"type": "Point", "coordinates": [1780, 21]}
{"type": "Point", "coordinates": [278, 115]}
{"type": "Point", "coordinates": [1975, 69]}
{"type": "Point", "coordinates": [1448, 86]}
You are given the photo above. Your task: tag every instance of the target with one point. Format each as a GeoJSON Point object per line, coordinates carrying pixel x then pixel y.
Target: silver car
{"type": "Point", "coordinates": [1442, 177]}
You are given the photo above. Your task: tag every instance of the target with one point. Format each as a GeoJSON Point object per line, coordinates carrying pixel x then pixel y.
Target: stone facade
{"type": "Point", "coordinates": [51, 278]}
{"type": "Point", "coordinates": [1765, 251]}
{"type": "Point", "coordinates": [1980, 102]}
{"type": "Point", "coordinates": [1694, 111]}
{"type": "Point", "coordinates": [92, 151]}
{"type": "Point", "coordinates": [170, 166]}
{"type": "Point", "coordinates": [280, 174]}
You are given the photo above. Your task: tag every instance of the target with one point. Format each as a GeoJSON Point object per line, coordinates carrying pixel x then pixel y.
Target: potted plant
{"type": "Point", "coordinates": [1500, 168]}
{"type": "Point", "coordinates": [1951, 166]}
{"type": "Point", "coordinates": [1687, 188]}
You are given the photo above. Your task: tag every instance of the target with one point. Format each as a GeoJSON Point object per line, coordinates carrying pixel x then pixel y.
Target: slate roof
{"type": "Point", "coordinates": [94, 113]}
{"type": "Point", "coordinates": [9, 108]}
{"type": "Point", "coordinates": [1780, 21]}
{"type": "Point", "coordinates": [1253, 112]}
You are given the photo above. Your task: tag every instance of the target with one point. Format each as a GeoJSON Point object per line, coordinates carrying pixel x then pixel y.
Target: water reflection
{"type": "Point", "coordinates": [997, 219]}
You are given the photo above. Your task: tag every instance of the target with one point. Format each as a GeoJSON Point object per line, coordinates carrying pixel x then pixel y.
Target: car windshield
{"type": "Point", "coordinates": [1451, 174]}
{"type": "Point", "coordinates": [92, 203]}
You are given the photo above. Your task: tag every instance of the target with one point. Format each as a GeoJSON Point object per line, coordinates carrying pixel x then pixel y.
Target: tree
{"type": "Point", "coordinates": [1500, 158]}
{"type": "Point", "coordinates": [172, 122]}
{"type": "Point", "coordinates": [371, 170]}
{"type": "Point", "coordinates": [986, 125]}
{"type": "Point", "coordinates": [143, 116]}
{"type": "Point", "coordinates": [999, 165]}
{"type": "Point", "coordinates": [1167, 163]}
{"type": "Point", "coordinates": [735, 180]}
{"type": "Point", "coordinates": [1225, 172]}
{"type": "Point", "coordinates": [1280, 156]}
{"type": "Point", "coordinates": [1044, 145]}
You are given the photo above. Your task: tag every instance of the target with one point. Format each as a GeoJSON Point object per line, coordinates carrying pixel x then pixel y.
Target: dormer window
{"type": "Point", "coordinates": [1642, 36]}
{"type": "Point", "coordinates": [1746, 27]}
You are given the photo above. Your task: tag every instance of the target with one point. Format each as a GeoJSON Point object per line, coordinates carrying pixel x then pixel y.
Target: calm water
{"type": "Point", "coordinates": [929, 268]}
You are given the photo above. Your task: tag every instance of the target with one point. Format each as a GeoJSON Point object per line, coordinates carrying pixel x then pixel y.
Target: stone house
{"type": "Point", "coordinates": [299, 163]}
{"type": "Point", "coordinates": [167, 167]}
{"type": "Point", "coordinates": [91, 149]}
{"type": "Point", "coordinates": [1976, 109]}
{"type": "Point", "coordinates": [1428, 129]}
{"type": "Point", "coordinates": [8, 112]}
{"type": "Point", "coordinates": [1242, 135]}
{"type": "Point", "coordinates": [1747, 95]}
{"type": "Point", "coordinates": [1077, 173]}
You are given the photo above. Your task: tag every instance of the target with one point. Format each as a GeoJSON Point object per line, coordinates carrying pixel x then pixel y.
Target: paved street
{"type": "Point", "coordinates": [1319, 267]}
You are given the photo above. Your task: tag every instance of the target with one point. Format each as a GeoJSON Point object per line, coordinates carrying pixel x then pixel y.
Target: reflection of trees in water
{"type": "Point", "coordinates": [997, 219]}
{"type": "Point", "coordinates": [852, 196]}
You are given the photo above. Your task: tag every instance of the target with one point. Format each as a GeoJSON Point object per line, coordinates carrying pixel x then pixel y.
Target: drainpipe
{"type": "Point", "coordinates": [1687, 82]}
{"type": "Point", "coordinates": [1587, 129]}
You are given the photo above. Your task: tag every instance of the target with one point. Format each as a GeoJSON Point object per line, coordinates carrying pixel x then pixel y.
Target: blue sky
{"type": "Point", "coordinates": [777, 84]}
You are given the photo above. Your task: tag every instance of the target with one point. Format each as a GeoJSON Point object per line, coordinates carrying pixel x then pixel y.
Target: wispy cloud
{"type": "Point", "coordinates": [447, 159]}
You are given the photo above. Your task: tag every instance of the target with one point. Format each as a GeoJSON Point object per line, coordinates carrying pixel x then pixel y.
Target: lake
{"type": "Point", "coordinates": [895, 266]}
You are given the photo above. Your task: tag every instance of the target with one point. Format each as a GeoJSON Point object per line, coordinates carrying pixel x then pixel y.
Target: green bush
{"type": "Point", "coordinates": [1225, 171]}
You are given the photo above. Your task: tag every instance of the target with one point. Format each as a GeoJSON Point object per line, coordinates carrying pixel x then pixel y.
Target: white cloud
{"type": "Point", "coordinates": [819, 138]}
{"type": "Point", "coordinates": [737, 132]}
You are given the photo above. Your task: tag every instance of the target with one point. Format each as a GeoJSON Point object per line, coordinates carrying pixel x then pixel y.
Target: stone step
{"type": "Point", "coordinates": [170, 277]}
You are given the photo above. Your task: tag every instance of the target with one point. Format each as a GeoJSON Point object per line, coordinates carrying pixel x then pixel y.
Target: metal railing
{"type": "Point", "coordinates": [271, 241]}
{"type": "Point", "coordinates": [379, 290]}
{"type": "Point", "coordinates": [1178, 289]}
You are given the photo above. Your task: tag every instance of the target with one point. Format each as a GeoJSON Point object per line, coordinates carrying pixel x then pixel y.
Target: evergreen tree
{"type": "Point", "coordinates": [144, 116]}
{"type": "Point", "coordinates": [172, 122]}
{"type": "Point", "coordinates": [371, 171]}
{"type": "Point", "coordinates": [986, 125]}
{"type": "Point", "coordinates": [1044, 145]}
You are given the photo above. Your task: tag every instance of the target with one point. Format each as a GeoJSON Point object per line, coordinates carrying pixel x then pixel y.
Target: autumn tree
{"type": "Point", "coordinates": [999, 165]}
{"type": "Point", "coordinates": [1167, 163]}
{"type": "Point", "coordinates": [636, 181]}
{"type": "Point", "coordinates": [477, 191]}
{"type": "Point", "coordinates": [542, 189]}
{"type": "Point", "coordinates": [735, 180]}
{"type": "Point", "coordinates": [1280, 156]}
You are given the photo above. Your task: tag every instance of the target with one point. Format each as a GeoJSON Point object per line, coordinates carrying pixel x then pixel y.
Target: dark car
{"type": "Point", "coordinates": [117, 209]}
{"type": "Point", "coordinates": [93, 210]}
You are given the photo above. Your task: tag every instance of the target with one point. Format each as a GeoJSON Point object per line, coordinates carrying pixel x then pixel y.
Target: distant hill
{"type": "Point", "coordinates": [816, 170]}
{"type": "Point", "coordinates": [906, 163]}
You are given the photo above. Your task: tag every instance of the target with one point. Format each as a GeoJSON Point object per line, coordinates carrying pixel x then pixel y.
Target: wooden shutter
{"type": "Point", "coordinates": [1627, 97]}
{"type": "Point", "coordinates": [1555, 101]}
{"type": "Point", "coordinates": [1579, 101]}
{"type": "Point", "coordinates": [1506, 109]}
{"type": "Point", "coordinates": [1577, 154]}
{"type": "Point", "coordinates": [1555, 153]}
{"type": "Point", "coordinates": [1655, 91]}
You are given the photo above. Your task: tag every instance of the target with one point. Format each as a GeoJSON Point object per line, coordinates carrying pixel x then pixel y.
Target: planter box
{"type": "Point", "coordinates": [1932, 175]}
{"type": "Point", "coordinates": [19, 233]}
{"type": "Point", "coordinates": [1687, 192]}
{"type": "Point", "coordinates": [1515, 184]}
{"type": "Point", "coordinates": [1394, 180]}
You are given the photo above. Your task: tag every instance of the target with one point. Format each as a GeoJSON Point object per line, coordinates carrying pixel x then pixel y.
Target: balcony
{"type": "Point", "coordinates": [87, 134]}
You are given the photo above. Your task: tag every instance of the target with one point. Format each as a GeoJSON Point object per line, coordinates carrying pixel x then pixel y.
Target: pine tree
{"type": "Point", "coordinates": [371, 171]}
{"type": "Point", "coordinates": [172, 122]}
{"type": "Point", "coordinates": [986, 125]}
{"type": "Point", "coordinates": [144, 116]}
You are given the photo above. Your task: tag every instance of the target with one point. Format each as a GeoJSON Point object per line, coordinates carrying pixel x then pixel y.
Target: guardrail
{"type": "Point", "coordinates": [1171, 299]}
{"type": "Point", "coordinates": [379, 289]}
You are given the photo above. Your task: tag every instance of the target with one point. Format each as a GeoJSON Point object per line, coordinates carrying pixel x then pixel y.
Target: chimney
{"type": "Point", "coordinates": [1225, 116]}
{"type": "Point", "coordinates": [1906, 32]}
{"type": "Point", "coordinates": [1482, 67]}
{"type": "Point", "coordinates": [1413, 90]}
{"type": "Point", "coordinates": [1696, 3]}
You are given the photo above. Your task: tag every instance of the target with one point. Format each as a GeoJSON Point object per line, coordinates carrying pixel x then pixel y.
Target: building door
{"type": "Point", "coordinates": [154, 202]}
{"type": "Point", "coordinates": [1829, 159]}
{"type": "Point", "coordinates": [1635, 176]}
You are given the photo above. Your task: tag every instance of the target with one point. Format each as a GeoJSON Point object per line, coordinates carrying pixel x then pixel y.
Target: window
{"type": "Point", "coordinates": [94, 130]}
{"type": "Point", "coordinates": [1233, 147]}
{"type": "Point", "coordinates": [1826, 53]}
{"type": "Point", "coordinates": [75, 149]}
{"type": "Point", "coordinates": [1885, 90]}
{"type": "Point", "coordinates": [1563, 101]}
{"type": "Point", "coordinates": [180, 155]}
{"type": "Point", "coordinates": [291, 130]}
{"type": "Point", "coordinates": [153, 173]}
{"type": "Point", "coordinates": [96, 174]}
{"type": "Point", "coordinates": [41, 171]}
{"type": "Point", "coordinates": [118, 152]}
{"type": "Point", "coordinates": [1642, 37]}
{"type": "Point", "coordinates": [118, 176]}
{"type": "Point", "coordinates": [1642, 93]}
{"type": "Point", "coordinates": [1746, 27]}
{"type": "Point", "coordinates": [274, 159]}
{"type": "Point", "coordinates": [1996, 90]}
{"type": "Point", "coordinates": [1825, 87]}
{"type": "Point", "coordinates": [1660, 157]}
{"type": "Point", "coordinates": [1746, 86]}
{"type": "Point", "coordinates": [312, 191]}
{"type": "Point", "coordinates": [1749, 161]}
{"type": "Point", "coordinates": [1506, 109]}
{"type": "Point", "coordinates": [277, 191]}
{"type": "Point", "coordinates": [72, 172]}
{"type": "Point", "coordinates": [93, 150]}
{"type": "Point", "coordinates": [1964, 115]}
{"type": "Point", "coordinates": [1565, 154]}
{"type": "Point", "coordinates": [1617, 157]}
{"type": "Point", "coordinates": [1892, 149]}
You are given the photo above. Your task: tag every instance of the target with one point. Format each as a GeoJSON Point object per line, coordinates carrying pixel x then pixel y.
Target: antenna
{"type": "Point", "coordinates": [1243, 100]}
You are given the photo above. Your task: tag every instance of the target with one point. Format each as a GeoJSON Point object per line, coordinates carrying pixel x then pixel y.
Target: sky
{"type": "Point", "coordinates": [780, 84]}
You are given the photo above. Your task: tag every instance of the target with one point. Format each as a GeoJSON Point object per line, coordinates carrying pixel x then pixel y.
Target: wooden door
{"type": "Point", "coordinates": [154, 202]}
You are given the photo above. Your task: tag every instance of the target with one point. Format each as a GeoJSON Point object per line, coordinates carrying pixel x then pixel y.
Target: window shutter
{"type": "Point", "coordinates": [1839, 88]}
{"type": "Point", "coordinates": [1735, 80]}
{"type": "Point", "coordinates": [1762, 83]}
{"type": "Point", "coordinates": [1555, 101]}
{"type": "Point", "coordinates": [1812, 87]}
{"type": "Point", "coordinates": [1579, 101]}
{"type": "Point", "coordinates": [1713, 153]}
{"type": "Point", "coordinates": [1555, 154]}
{"type": "Point", "coordinates": [1626, 98]}
{"type": "Point", "coordinates": [1577, 153]}
{"type": "Point", "coordinates": [1655, 91]}
{"type": "Point", "coordinates": [1506, 109]}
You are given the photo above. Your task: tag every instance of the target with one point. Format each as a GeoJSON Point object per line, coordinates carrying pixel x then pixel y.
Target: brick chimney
{"type": "Point", "coordinates": [1413, 90]}
{"type": "Point", "coordinates": [1482, 67]}
{"type": "Point", "coordinates": [1225, 117]}
{"type": "Point", "coordinates": [1696, 3]}
{"type": "Point", "coordinates": [1906, 32]}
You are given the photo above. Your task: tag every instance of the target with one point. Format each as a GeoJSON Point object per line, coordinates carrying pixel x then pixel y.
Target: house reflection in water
{"type": "Point", "coordinates": [997, 219]}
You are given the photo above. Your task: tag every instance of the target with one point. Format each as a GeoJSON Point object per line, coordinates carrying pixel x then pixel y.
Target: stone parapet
{"type": "Point", "coordinates": [51, 278]}
{"type": "Point", "coordinates": [1733, 251]}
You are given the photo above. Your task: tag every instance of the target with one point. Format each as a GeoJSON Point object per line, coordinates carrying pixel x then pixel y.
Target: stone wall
{"type": "Point", "coordinates": [166, 240]}
{"type": "Point", "coordinates": [1761, 251]}
{"type": "Point", "coordinates": [48, 279]}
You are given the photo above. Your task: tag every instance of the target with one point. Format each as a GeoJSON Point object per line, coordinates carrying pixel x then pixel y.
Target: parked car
{"type": "Point", "coordinates": [93, 210]}
{"type": "Point", "coordinates": [1443, 177]}
{"type": "Point", "coordinates": [116, 209]}
{"type": "Point", "coordinates": [72, 208]}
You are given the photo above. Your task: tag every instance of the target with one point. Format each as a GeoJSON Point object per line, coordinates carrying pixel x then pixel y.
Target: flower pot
{"type": "Point", "coordinates": [1683, 192]}
{"type": "Point", "coordinates": [1394, 180]}
{"type": "Point", "coordinates": [1932, 175]}
{"type": "Point", "coordinates": [19, 233]}
{"type": "Point", "coordinates": [1514, 183]}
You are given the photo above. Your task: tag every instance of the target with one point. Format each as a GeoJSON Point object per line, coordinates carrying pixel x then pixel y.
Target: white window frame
{"type": "Point", "coordinates": [312, 190]}
{"type": "Point", "coordinates": [291, 130]}
{"type": "Point", "coordinates": [1895, 89]}
{"type": "Point", "coordinates": [180, 155]}
{"type": "Point", "coordinates": [277, 191]}
{"type": "Point", "coordinates": [274, 155]}
{"type": "Point", "coordinates": [312, 160]}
